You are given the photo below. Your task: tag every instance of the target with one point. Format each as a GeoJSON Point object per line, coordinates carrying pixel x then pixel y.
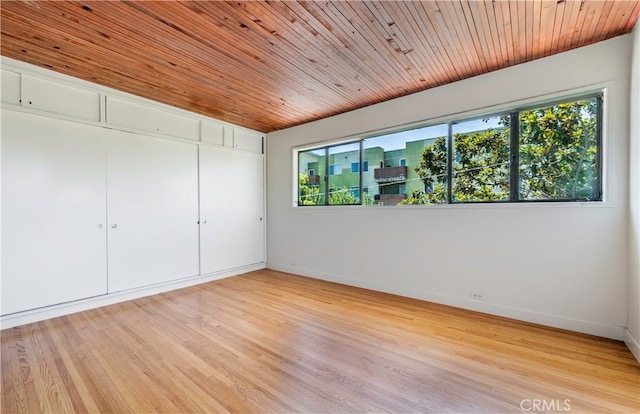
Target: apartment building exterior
{"type": "Point", "coordinates": [388, 172]}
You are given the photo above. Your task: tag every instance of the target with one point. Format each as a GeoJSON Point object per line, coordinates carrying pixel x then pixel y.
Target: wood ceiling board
{"type": "Point", "coordinates": [272, 65]}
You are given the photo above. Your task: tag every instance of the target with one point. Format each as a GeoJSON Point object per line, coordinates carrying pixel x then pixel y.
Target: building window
{"type": "Point", "coordinates": [480, 167]}
{"type": "Point", "coordinates": [311, 186]}
{"type": "Point", "coordinates": [395, 157]}
{"type": "Point", "coordinates": [560, 151]}
{"type": "Point", "coordinates": [330, 186]}
{"type": "Point", "coordinates": [549, 152]}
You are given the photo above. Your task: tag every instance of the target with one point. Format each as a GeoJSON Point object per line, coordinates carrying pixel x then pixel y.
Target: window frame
{"type": "Point", "coordinates": [450, 156]}
{"type": "Point", "coordinates": [513, 112]}
{"type": "Point", "coordinates": [599, 159]}
{"type": "Point", "coordinates": [328, 168]}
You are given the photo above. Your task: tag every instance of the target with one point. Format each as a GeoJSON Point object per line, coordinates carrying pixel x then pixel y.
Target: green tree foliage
{"type": "Point", "coordinates": [557, 152]}
{"type": "Point", "coordinates": [433, 171]}
{"type": "Point", "coordinates": [342, 196]}
{"type": "Point", "coordinates": [481, 164]}
{"type": "Point", "coordinates": [367, 200]}
{"type": "Point", "coordinates": [308, 195]}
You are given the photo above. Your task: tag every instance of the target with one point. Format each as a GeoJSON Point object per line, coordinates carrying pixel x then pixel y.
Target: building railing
{"type": "Point", "coordinates": [314, 180]}
{"type": "Point", "coordinates": [390, 199]}
{"type": "Point", "coordinates": [390, 174]}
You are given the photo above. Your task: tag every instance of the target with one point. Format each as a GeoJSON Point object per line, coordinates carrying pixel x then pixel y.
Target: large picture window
{"type": "Point", "coordinates": [322, 179]}
{"type": "Point", "coordinates": [480, 160]}
{"type": "Point", "coordinates": [559, 151]}
{"type": "Point", "coordinates": [548, 152]}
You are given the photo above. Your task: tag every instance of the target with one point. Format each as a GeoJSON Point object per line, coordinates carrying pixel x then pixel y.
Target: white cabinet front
{"type": "Point", "coordinates": [152, 210]}
{"type": "Point", "coordinates": [53, 212]}
{"type": "Point", "coordinates": [57, 98]}
{"type": "Point", "coordinates": [231, 209]}
{"type": "Point", "coordinates": [10, 91]}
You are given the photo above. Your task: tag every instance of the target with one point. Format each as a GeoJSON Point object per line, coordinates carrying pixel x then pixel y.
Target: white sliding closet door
{"type": "Point", "coordinates": [231, 209]}
{"type": "Point", "coordinates": [152, 210]}
{"type": "Point", "coordinates": [53, 212]}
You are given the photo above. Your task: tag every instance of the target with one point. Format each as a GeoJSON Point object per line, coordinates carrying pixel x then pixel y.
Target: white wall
{"type": "Point", "coordinates": [564, 265]}
{"type": "Point", "coordinates": [632, 335]}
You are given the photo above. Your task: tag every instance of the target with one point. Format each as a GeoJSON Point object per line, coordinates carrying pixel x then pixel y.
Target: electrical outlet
{"type": "Point", "coordinates": [477, 296]}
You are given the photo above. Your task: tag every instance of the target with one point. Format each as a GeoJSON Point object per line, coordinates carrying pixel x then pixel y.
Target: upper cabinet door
{"type": "Point", "coordinates": [53, 212]}
{"type": "Point", "coordinates": [10, 91]}
{"type": "Point", "coordinates": [245, 141]}
{"type": "Point", "coordinates": [123, 113]}
{"type": "Point", "coordinates": [60, 99]}
{"type": "Point", "coordinates": [152, 210]}
{"type": "Point", "coordinates": [231, 209]}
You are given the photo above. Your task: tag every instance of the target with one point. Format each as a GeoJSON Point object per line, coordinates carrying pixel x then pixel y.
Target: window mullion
{"type": "Point", "coordinates": [599, 148]}
{"type": "Point", "coordinates": [361, 189]}
{"type": "Point", "coordinates": [514, 151]}
{"type": "Point", "coordinates": [326, 176]}
{"type": "Point", "coordinates": [450, 164]}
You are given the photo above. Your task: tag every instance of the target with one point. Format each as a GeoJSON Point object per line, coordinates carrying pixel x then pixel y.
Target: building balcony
{"type": "Point", "coordinates": [390, 174]}
{"type": "Point", "coordinates": [314, 180]}
{"type": "Point", "coordinates": [390, 199]}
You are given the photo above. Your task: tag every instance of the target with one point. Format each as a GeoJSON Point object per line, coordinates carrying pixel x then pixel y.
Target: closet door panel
{"type": "Point", "coordinates": [53, 211]}
{"type": "Point", "coordinates": [231, 209]}
{"type": "Point", "coordinates": [152, 210]}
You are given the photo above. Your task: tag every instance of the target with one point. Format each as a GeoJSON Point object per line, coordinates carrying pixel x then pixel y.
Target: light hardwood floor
{"type": "Point", "coordinates": [270, 342]}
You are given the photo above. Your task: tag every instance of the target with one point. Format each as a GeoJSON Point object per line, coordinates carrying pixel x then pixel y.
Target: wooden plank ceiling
{"type": "Point", "coordinates": [271, 65]}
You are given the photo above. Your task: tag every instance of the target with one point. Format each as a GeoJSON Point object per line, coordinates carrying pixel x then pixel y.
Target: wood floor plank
{"type": "Point", "coordinates": [273, 342]}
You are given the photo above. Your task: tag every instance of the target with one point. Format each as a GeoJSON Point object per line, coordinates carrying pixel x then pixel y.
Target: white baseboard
{"type": "Point", "coordinates": [35, 315]}
{"type": "Point", "coordinates": [576, 325]}
{"type": "Point", "coordinates": [632, 343]}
